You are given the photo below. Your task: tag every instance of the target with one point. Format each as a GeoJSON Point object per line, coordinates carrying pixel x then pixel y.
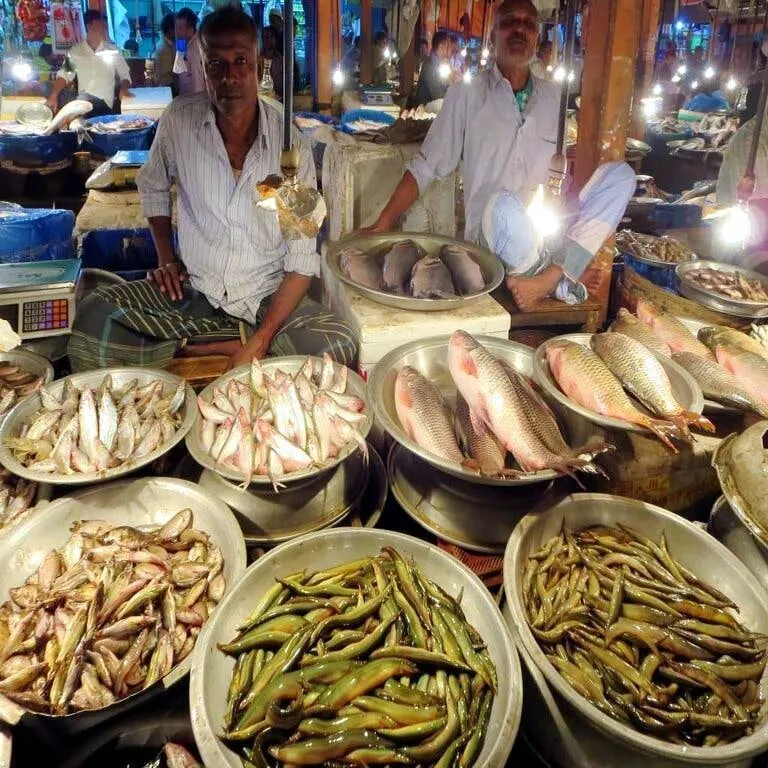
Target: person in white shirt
{"type": "Point", "coordinates": [235, 286]}
{"type": "Point", "coordinates": [193, 80]}
{"type": "Point", "coordinates": [98, 65]}
{"type": "Point", "coordinates": [501, 129]}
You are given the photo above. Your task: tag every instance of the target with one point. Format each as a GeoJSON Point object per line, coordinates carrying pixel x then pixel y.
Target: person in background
{"type": "Point", "coordinates": [131, 47]}
{"type": "Point", "coordinates": [96, 62]}
{"type": "Point", "coordinates": [456, 60]}
{"type": "Point", "coordinates": [276, 22]}
{"type": "Point", "coordinates": [193, 80]}
{"type": "Point", "coordinates": [542, 61]}
{"type": "Point", "coordinates": [668, 67]}
{"type": "Point", "coordinates": [271, 53]}
{"type": "Point", "coordinates": [432, 83]}
{"type": "Point", "coordinates": [380, 60]}
{"type": "Point", "coordinates": [697, 59]}
{"type": "Point", "coordinates": [501, 129]}
{"type": "Point", "coordinates": [351, 61]}
{"type": "Point", "coordinates": [236, 286]}
{"type": "Point", "coordinates": [165, 53]}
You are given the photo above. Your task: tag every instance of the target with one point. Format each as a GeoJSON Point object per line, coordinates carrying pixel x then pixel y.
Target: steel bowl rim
{"type": "Point", "coordinates": [81, 478]}
{"type": "Point", "coordinates": [209, 744]}
{"type": "Point", "coordinates": [224, 516]}
{"type": "Point", "coordinates": [542, 376]}
{"type": "Point", "coordinates": [195, 449]}
{"type": "Point", "coordinates": [752, 744]}
{"type": "Point", "coordinates": [20, 354]}
{"type": "Point", "coordinates": [411, 303]}
{"type": "Point", "coordinates": [683, 268]}
{"type": "Point", "coordinates": [376, 388]}
{"type": "Point", "coordinates": [671, 265]}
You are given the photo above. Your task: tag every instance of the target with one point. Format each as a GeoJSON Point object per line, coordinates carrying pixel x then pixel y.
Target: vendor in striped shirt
{"type": "Point", "coordinates": [235, 286]}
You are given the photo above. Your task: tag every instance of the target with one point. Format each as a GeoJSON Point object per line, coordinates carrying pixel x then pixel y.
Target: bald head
{"type": "Point", "coordinates": [515, 36]}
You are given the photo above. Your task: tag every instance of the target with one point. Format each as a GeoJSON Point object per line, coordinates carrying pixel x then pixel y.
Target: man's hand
{"type": "Point", "coordinates": [52, 102]}
{"type": "Point", "coordinates": [168, 278]}
{"type": "Point", "coordinates": [256, 347]}
{"type": "Point", "coordinates": [125, 93]}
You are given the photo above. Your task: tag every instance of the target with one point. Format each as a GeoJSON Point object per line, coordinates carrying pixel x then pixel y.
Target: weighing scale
{"type": "Point", "coordinates": [38, 298]}
{"type": "Point", "coordinates": [376, 97]}
{"type": "Point", "coordinates": [125, 166]}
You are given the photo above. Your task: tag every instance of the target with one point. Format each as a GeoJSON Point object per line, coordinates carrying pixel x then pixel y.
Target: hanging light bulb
{"type": "Point", "coordinates": [387, 53]}
{"type": "Point", "coordinates": [467, 77]}
{"type": "Point", "coordinates": [560, 74]}
{"type": "Point", "coordinates": [543, 214]}
{"type": "Point", "coordinates": [695, 84]}
{"type": "Point", "coordinates": [709, 73]}
{"type": "Point", "coordinates": [679, 26]}
{"type": "Point", "coordinates": [483, 62]}
{"type": "Point", "coordinates": [571, 76]}
{"type": "Point", "coordinates": [657, 89]}
{"type": "Point", "coordinates": [444, 70]}
{"type": "Point", "coordinates": [463, 53]}
{"type": "Point", "coordinates": [682, 69]}
{"type": "Point", "coordinates": [22, 70]}
{"type": "Point", "coordinates": [338, 77]}
{"type": "Point", "coordinates": [675, 78]}
{"type": "Point", "coordinates": [651, 107]}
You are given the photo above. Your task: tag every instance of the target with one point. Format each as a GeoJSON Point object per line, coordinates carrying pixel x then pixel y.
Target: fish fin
{"type": "Point", "coordinates": [478, 423]}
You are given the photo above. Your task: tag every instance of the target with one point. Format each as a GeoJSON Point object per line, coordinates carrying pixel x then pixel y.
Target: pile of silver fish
{"type": "Point", "coordinates": [16, 383]}
{"type": "Point", "coordinates": [735, 285]}
{"type": "Point", "coordinates": [642, 638]}
{"type": "Point", "coordinates": [16, 497]}
{"type": "Point", "coordinates": [120, 126]}
{"type": "Point", "coordinates": [407, 270]}
{"type": "Point", "coordinates": [730, 367]}
{"type": "Point", "coordinates": [665, 249]}
{"type": "Point", "coordinates": [498, 411]}
{"type": "Point", "coordinates": [273, 425]}
{"type": "Point", "coordinates": [597, 378]}
{"type": "Point", "coordinates": [367, 663]}
{"type": "Point", "coordinates": [108, 614]}
{"type": "Point", "coordinates": [93, 431]}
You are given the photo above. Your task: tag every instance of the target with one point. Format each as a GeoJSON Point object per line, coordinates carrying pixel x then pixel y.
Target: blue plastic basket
{"type": "Point", "coordinates": [35, 234]}
{"type": "Point", "coordinates": [120, 251]}
{"type": "Point", "coordinates": [365, 114]}
{"type": "Point", "coordinates": [37, 150]}
{"type": "Point", "coordinates": [662, 275]}
{"type": "Point", "coordinates": [110, 143]}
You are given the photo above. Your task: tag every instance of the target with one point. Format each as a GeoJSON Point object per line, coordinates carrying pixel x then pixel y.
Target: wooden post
{"type": "Point", "coordinates": [612, 40]}
{"type": "Point", "coordinates": [325, 32]}
{"type": "Point", "coordinates": [646, 62]}
{"type": "Point", "coordinates": [366, 42]}
{"type": "Point", "coordinates": [408, 65]}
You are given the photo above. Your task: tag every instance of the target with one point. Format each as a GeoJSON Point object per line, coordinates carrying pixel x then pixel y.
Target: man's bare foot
{"type": "Point", "coordinates": [529, 291]}
{"type": "Point", "coordinates": [227, 348]}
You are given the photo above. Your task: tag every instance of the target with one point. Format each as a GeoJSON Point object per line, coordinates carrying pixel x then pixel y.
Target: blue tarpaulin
{"type": "Point", "coordinates": [35, 234]}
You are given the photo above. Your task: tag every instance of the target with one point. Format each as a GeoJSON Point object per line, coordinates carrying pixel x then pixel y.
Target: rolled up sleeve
{"type": "Point", "coordinates": [441, 151]}
{"type": "Point", "coordinates": [158, 175]}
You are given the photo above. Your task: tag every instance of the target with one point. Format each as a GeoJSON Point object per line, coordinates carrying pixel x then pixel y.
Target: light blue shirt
{"type": "Point", "coordinates": [480, 126]}
{"type": "Point", "coordinates": [233, 250]}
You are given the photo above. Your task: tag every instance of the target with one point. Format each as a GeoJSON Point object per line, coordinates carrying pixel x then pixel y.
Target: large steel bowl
{"type": "Point", "coordinates": [21, 414]}
{"type": "Point", "coordinates": [29, 362]}
{"type": "Point", "coordinates": [684, 387]}
{"type": "Point", "coordinates": [692, 547]}
{"type": "Point", "coordinates": [718, 301]}
{"type": "Point", "coordinates": [290, 365]}
{"type": "Point", "coordinates": [212, 670]}
{"type": "Point", "coordinates": [430, 357]}
{"type": "Point", "coordinates": [145, 503]}
{"type": "Point", "coordinates": [490, 265]}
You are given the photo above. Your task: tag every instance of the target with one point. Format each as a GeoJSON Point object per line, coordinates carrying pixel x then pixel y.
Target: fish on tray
{"type": "Point", "coordinates": [674, 334]}
{"type": "Point", "coordinates": [431, 279]}
{"type": "Point", "coordinates": [750, 369]}
{"type": "Point", "coordinates": [631, 326]}
{"type": "Point", "coordinates": [466, 273]}
{"type": "Point", "coordinates": [587, 380]}
{"type": "Point", "coordinates": [715, 335]}
{"type": "Point", "coordinates": [361, 268]}
{"type": "Point", "coordinates": [398, 265]}
{"type": "Point", "coordinates": [16, 497]}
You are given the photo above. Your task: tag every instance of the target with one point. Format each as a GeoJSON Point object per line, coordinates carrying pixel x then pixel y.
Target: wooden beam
{"type": "Point", "coordinates": [366, 41]}
{"type": "Point", "coordinates": [646, 62]}
{"type": "Point", "coordinates": [408, 64]}
{"type": "Point", "coordinates": [324, 65]}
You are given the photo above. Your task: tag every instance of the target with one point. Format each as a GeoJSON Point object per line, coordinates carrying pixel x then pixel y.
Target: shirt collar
{"type": "Point", "coordinates": [210, 119]}
{"type": "Point", "coordinates": [498, 79]}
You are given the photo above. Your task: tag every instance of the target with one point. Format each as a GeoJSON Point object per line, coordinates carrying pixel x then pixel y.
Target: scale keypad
{"type": "Point", "coordinates": [48, 315]}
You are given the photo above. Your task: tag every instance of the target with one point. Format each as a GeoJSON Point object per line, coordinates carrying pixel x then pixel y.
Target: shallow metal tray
{"type": "Point", "coordinates": [491, 266]}
{"type": "Point", "coordinates": [430, 357]}
{"type": "Point", "coordinates": [145, 503]}
{"type": "Point", "coordinates": [650, 239]}
{"type": "Point", "coordinates": [692, 547]}
{"type": "Point", "coordinates": [21, 413]}
{"type": "Point", "coordinates": [290, 365]}
{"type": "Point", "coordinates": [29, 362]}
{"type": "Point", "coordinates": [717, 301]}
{"type": "Point", "coordinates": [212, 670]}
{"type": "Point", "coordinates": [684, 387]}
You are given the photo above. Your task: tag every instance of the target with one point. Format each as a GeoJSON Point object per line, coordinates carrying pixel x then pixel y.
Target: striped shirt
{"type": "Point", "coordinates": [233, 250]}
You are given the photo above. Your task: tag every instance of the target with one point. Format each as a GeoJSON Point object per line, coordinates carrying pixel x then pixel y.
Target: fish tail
{"type": "Point", "coordinates": [665, 430]}
{"type": "Point", "coordinates": [588, 451]}
{"type": "Point", "coordinates": [689, 418]}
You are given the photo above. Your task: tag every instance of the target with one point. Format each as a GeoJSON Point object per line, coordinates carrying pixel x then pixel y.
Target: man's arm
{"type": "Point", "coordinates": [63, 78]}
{"type": "Point", "coordinates": [124, 73]}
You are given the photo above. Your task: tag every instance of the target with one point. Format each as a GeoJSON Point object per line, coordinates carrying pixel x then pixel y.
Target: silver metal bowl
{"type": "Point", "coordinates": [684, 387]}
{"type": "Point", "coordinates": [717, 301]}
{"type": "Point", "coordinates": [491, 266]}
{"type": "Point", "coordinates": [650, 260]}
{"type": "Point", "coordinates": [430, 357]}
{"type": "Point", "coordinates": [29, 362]}
{"type": "Point", "coordinates": [212, 670]}
{"type": "Point", "coordinates": [689, 544]}
{"type": "Point", "coordinates": [21, 414]}
{"type": "Point", "coordinates": [290, 365]}
{"type": "Point", "coordinates": [144, 503]}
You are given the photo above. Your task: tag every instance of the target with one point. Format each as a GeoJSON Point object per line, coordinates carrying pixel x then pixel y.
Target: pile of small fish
{"type": "Point", "coordinates": [108, 614]}
{"type": "Point", "coordinates": [735, 285]}
{"type": "Point", "coordinates": [642, 638]}
{"type": "Point", "coordinates": [596, 379]}
{"type": "Point", "coordinates": [498, 410]}
{"type": "Point", "coordinates": [366, 126]}
{"type": "Point", "coordinates": [407, 270]}
{"type": "Point", "coordinates": [274, 425]}
{"type": "Point", "coordinates": [665, 249]}
{"type": "Point", "coordinates": [730, 367]}
{"type": "Point", "coordinates": [668, 125]}
{"type": "Point", "coordinates": [717, 130]}
{"type": "Point", "coordinates": [368, 663]}
{"type": "Point", "coordinates": [93, 431]}
{"type": "Point", "coordinates": [119, 126]}
{"type": "Point", "coordinates": [16, 497]}
{"type": "Point", "coordinates": [16, 383]}
{"type": "Point", "coordinates": [419, 113]}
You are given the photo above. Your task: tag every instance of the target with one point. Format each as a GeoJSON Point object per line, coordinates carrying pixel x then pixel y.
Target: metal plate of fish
{"type": "Point", "coordinates": [719, 302]}
{"type": "Point", "coordinates": [268, 517]}
{"type": "Point", "coordinates": [36, 367]}
{"type": "Point", "coordinates": [22, 413]}
{"type": "Point", "coordinates": [466, 514]}
{"type": "Point", "coordinates": [686, 391]}
{"type": "Point", "coordinates": [380, 244]}
{"type": "Point", "coordinates": [692, 547]}
{"type": "Point", "coordinates": [430, 357]}
{"type": "Point", "coordinates": [290, 365]}
{"type": "Point", "coordinates": [212, 670]}
{"type": "Point", "coordinates": [652, 250]}
{"type": "Point", "coordinates": [145, 504]}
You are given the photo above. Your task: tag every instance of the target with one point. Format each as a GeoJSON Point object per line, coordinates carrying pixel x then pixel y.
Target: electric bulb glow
{"type": "Point", "coordinates": [731, 85]}
{"type": "Point", "coordinates": [735, 227]}
{"type": "Point", "coordinates": [483, 62]}
{"type": "Point", "coordinates": [679, 26]}
{"type": "Point", "coordinates": [467, 77]}
{"type": "Point", "coordinates": [444, 70]}
{"type": "Point", "coordinates": [560, 74]}
{"type": "Point", "coordinates": [338, 77]}
{"type": "Point", "coordinates": [22, 70]}
{"type": "Point", "coordinates": [543, 215]}
{"type": "Point", "coordinates": [682, 69]}
{"type": "Point", "coordinates": [675, 78]}
{"type": "Point", "coordinates": [657, 89]}
{"type": "Point", "coordinates": [463, 53]}
{"type": "Point", "coordinates": [486, 53]}
{"type": "Point", "coordinates": [695, 84]}
{"type": "Point", "coordinates": [709, 73]}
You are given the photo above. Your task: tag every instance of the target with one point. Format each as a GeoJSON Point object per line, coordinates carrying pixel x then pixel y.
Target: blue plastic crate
{"type": "Point", "coordinates": [109, 144]}
{"type": "Point", "coordinates": [661, 275]}
{"type": "Point", "coordinates": [35, 234]}
{"type": "Point", "coordinates": [37, 150]}
{"type": "Point", "coordinates": [119, 250]}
